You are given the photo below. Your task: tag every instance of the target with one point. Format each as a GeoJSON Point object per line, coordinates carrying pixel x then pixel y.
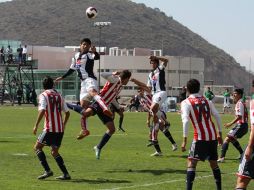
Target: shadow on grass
{"type": "Point", "coordinates": [6, 141]}
{"type": "Point", "coordinates": [177, 156]}
{"type": "Point", "coordinates": [154, 172]}
{"type": "Point", "coordinates": [97, 181]}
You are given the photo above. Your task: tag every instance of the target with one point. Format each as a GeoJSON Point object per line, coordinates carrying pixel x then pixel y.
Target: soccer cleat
{"type": "Point", "coordinates": [121, 129]}
{"type": "Point", "coordinates": [83, 134]}
{"type": "Point", "coordinates": [221, 160]}
{"type": "Point", "coordinates": [97, 152]}
{"type": "Point", "coordinates": [108, 113]}
{"type": "Point", "coordinates": [45, 175]}
{"type": "Point", "coordinates": [174, 147]}
{"type": "Point", "coordinates": [64, 177]}
{"type": "Point", "coordinates": [156, 154]}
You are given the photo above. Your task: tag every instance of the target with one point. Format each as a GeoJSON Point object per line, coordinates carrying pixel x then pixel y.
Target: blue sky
{"type": "Point", "coordinates": [227, 24]}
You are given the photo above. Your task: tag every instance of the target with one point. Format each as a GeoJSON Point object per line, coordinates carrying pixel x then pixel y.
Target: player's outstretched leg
{"type": "Point", "coordinates": [84, 131]}
{"type": "Point", "coordinates": [102, 104]}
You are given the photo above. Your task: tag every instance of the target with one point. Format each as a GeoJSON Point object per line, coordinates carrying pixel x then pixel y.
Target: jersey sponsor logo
{"type": "Point", "coordinates": [78, 64]}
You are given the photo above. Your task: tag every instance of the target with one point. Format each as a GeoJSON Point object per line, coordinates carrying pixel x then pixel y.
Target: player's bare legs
{"type": "Point", "coordinates": [83, 121]}
{"type": "Point", "coordinates": [242, 183]}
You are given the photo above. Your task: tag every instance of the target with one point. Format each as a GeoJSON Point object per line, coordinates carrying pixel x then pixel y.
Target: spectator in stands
{"type": "Point", "coordinates": [19, 51]}
{"type": "Point", "coordinates": [19, 95]}
{"type": "Point", "coordinates": [33, 97]}
{"type": "Point", "coordinates": [9, 54]}
{"type": "Point", "coordinates": [2, 59]}
{"type": "Point", "coordinates": [28, 91]}
{"type": "Point", "coordinates": [24, 54]}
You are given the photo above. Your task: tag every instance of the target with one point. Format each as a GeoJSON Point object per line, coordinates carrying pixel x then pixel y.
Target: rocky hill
{"type": "Point", "coordinates": [63, 22]}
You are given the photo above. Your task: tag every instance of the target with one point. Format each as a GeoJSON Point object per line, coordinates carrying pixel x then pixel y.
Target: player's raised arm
{"type": "Point", "coordinates": [162, 59]}
{"type": "Point", "coordinates": [141, 85]}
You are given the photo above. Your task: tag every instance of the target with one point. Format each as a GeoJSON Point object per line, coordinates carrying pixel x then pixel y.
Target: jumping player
{"type": "Point", "coordinates": [241, 127]}
{"type": "Point", "coordinates": [83, 63]}
{"type": "Point", "coordinates": [204, 145]}
{"type": "Point", "coordinates": [146, 102]}
{"type": "Point", "coordinates": [156, 82]}
{"type": "Point", "coordinates": [51, 104]}
{"type": "Point", "coordinates": [109, 92]}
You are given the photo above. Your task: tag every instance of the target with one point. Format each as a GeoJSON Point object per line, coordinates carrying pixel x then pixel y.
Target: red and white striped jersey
{"type": "Point", "coordinates": [53, 104]}
{"type": "Point", "coordinates": [146, 101]}
{"type": "Point", "coordinates": [252, 112]}
{"type": "Point", "coordinates": [199, 110]}
{"type": "Point", "coordinates": [112, 87]}
{"type": "Point", "coordinates": [241, 109]}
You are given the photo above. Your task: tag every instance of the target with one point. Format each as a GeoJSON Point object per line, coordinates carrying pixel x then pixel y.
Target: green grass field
{"type": "Point", "coordinates": [125, 161]}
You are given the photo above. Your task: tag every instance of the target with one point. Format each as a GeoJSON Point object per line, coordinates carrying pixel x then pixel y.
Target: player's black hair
{"type": "Point", "coordinates": [87, 40]}
{"type": "Point", "coordinates": [155, 60]}
{"type": "Point", "coordinates": [193, 86]}
{"type": "Point", "coordinates": [125, 74]}
{"type": "Point", "coordinates": [48, 83]}
{"type": "Point", "coordinates": [239, 91]}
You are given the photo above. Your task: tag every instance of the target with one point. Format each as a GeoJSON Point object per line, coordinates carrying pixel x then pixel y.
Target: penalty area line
{"type": "Point", "coordinates": [159, 183]}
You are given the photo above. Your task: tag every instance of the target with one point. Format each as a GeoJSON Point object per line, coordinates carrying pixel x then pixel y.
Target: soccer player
{"type": "Point", "coordinates": [156, 82]}
{"type": "Point", "coordinates": [246, 167]}
{"type": "Point", "coordinates": [241, 127]}
{"type": "Point", "coordinates": [204, 145]}
{"type": "Point", "coordinates": [116, 108]}
{"type": "Point", "coordinates": [146, 102]}
{"type": "Point", "coordinates": [109, 92]}
{"type": "Point", "coordinates": [83, 63]}
{"type": "Point", "coordinates": [51, 104]}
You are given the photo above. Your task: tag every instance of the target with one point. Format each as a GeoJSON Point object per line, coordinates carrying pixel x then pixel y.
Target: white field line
{"type": "Point", "coordinates": [159, 183]}
{"type": "Point", "coordinates": [99, 135]}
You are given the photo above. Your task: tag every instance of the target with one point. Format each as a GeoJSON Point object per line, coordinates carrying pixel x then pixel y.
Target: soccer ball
{"type": "Point", "coordinates": [91, 12]}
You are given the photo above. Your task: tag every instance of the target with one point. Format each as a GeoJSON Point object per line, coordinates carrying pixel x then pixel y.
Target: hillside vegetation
{"type": "Point", "coordinates": [63, 22]}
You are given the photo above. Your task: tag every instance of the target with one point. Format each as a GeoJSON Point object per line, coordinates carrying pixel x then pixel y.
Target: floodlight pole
{"type": "Point", "coordinates": [100, 25]}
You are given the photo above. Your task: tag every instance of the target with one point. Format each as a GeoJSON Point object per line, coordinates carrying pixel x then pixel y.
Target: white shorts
{"type": "Point", "coordinates": [160, 97]}
{"type": "Point", "coordinates": [87, 85]}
